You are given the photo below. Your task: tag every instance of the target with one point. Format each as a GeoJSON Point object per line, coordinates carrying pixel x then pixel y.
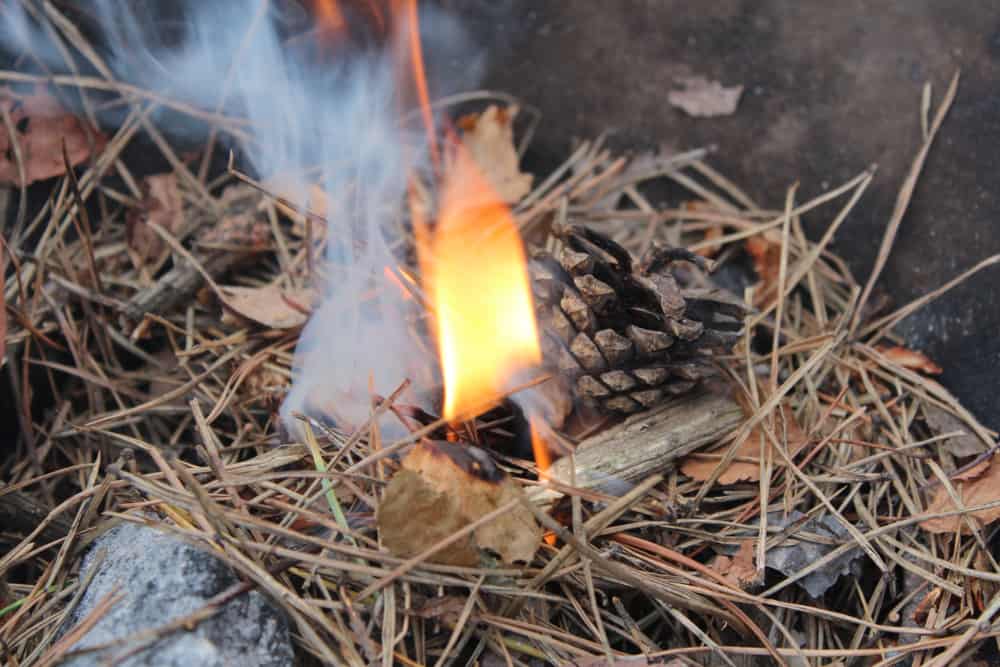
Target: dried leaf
{"type": "Point", "coordinates": [702, 98]}
{"type": "Point", "coordinates": [41, 125]}
{"type": "Point", "coordinates": [163, 206]}
{"type": "Point", "coordinates": [443, 487]}
{"type": "Point", "coordinates": [940, 421]}
{"type": "Point", "coordinates": [807, 540]}
{"type": "Point", "coordinates": [912, 359]}
{"type": "Point", "coordinates": [765, 250]}
{"type": "Point", "coordinates": [489, 139]}
{"type": "Point", "coordinates": [271, 306]}
{"type": "Point", "coordinates": [984, 488]}
{"type": "Point", "coordinates": [739, 569]}
{"type": "Point", "coordinates": [748, 469]}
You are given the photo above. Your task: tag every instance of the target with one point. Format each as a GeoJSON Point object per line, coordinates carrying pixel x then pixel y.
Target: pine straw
{"type": "Point", "coordinates": [176, 430]}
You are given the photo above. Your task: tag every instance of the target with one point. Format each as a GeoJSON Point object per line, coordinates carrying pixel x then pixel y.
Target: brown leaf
{"type": "Point", "coordinates": [940, 421]}
{"type": "Point", "coordinates": [748, 469]}
{"type": "Point", "coordinates": [739, 569]}
{"type": "Point", "coordinates": [163, 206]}
{"type": "Point", "coordinates": [765, 250]}
{"type": "Point", "coordinates": [489, 139]}
{"type": "Point", "coordinates": [911, 359]}
{"type": "Point", "coordinates": [41, 125]}
{"type": "Point", "coordinates": [984, 488]}
{"type": "Point", "coordinates": [702, 98]}
{"type": "Point", "coordinates": [271, 306]}
{"type": "Point", "coordinates": [443, 487]}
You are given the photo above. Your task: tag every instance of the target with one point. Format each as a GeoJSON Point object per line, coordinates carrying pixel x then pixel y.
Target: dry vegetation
{"type": "Point", "coordinates": [851, 460]}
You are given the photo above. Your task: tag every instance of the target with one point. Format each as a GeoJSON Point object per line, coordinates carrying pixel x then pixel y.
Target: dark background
{"type": "Point", "coordinates": [830, 87]}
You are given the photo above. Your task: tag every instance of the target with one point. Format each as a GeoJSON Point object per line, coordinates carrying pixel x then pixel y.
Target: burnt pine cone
{"type": "Point", "coordinates": [624, 334]}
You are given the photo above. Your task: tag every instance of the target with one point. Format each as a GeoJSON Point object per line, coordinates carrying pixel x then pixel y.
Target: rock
{"type": "Point", "coordinates": [161, 579]}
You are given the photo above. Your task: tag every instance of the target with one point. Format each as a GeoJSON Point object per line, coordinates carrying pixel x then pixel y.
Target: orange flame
{"type": "Point", "coordinates": [540, 447]}
{"type": "Point", "coordinates": [329, 16]}
{"type": "Point", "coordinates": [476, 277]}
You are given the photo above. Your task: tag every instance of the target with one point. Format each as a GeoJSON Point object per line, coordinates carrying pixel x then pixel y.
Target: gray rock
{"type": "Point", "coordinates": [161, 579]}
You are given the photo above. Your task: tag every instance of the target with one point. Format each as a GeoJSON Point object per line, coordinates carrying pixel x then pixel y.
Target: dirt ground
{"type": "Point", "coordinates": [830, 88]}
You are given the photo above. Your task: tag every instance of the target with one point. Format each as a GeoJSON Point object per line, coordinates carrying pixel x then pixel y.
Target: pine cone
{"type": "Point", "coordinates": [625, 335]}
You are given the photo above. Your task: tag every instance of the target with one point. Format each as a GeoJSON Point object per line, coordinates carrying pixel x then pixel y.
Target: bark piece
{"type": "Point", "coordinates": [649, 442]}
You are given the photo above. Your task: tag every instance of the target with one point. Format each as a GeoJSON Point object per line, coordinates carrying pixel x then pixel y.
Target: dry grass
{"type": "Point", "coordinates": [170, 421]}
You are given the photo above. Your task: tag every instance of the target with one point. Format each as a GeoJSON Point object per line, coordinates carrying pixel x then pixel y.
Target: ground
{"type": "Point", "coordinates": [831, 87]}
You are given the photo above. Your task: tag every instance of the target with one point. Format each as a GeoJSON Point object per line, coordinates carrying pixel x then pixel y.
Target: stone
{"type": "Point", "coordinates": [161, 579]}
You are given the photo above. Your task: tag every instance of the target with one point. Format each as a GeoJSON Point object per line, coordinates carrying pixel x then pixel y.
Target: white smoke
{"type": "Point", "coordinates": [340, 116]}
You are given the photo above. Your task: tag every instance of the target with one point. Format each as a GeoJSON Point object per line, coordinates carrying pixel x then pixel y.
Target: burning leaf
{"type": "Point", "coordinates": [746, 466]}
{"type": "Point", "coordinates": [983, 488]}
{"type": "Point", "coordinates": [738, 569]}
{"type": "Point", "coordinates": [911, 359]}
{"type": "Point", "coordinates": [489, 139]}
{"type": "Point", "coordinates": [702, 98]}
{"type": "Point", "coordinates": [443, 487]}
{"type": "Point", "coordinates": [271, 306]}
{"type": "Point", "coordinates": [41, 125]}
{"type": "Point", "coordinates": [163, 206]}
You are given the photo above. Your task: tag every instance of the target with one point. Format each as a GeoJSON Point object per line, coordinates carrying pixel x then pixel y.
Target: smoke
{"type": "Point", "coordinates": [338, 116]}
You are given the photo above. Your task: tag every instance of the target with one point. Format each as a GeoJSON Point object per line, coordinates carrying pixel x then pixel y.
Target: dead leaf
{"type": "Point", "coordinates": [271, 306]}
{"type": "Point", "coordinates": [911, 359]}
{"type": "Point", "coordinates": [940, 421]}
{"type": "Point", "coordinates": [738, 569]}
{"type": "Point", "coordinates": [489, 139]}
{"type": "Point", "coordinates": [765, 251]}
{"type": "Point", "coordinates": [162, 206]}
{"type": "Point", "coordinates": [746, 466]}
{"type": "Point", "coordinates": [702, 98]}
{"type": "Point", "coordinates": [41, 125]}
{"type": "Point", "coordinates": [443, 487]}
{"type": "Point", "coordinates": [985, 488]}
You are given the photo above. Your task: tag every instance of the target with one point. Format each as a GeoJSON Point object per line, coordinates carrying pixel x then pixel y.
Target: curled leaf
{"type": "Point", "coordinates": [443, 487]}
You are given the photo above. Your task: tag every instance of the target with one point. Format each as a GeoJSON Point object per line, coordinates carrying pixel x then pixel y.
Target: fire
{"type": "Point", "coordinates": [472, 261]}
{"type": "Point", "coordinates": [329, 16]}
{"type": "Point", "coordinates": [475, 271]}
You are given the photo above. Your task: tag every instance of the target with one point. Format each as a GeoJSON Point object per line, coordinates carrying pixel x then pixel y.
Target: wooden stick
{"type": "Point", "coordinates": [648, 443]}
